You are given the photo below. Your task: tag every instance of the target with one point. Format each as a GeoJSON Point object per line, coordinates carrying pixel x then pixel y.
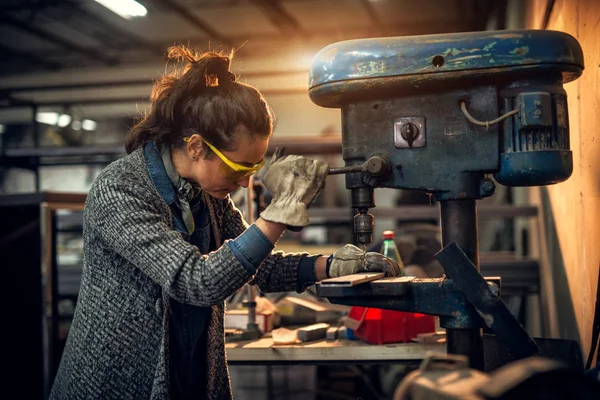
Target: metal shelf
{"type": "Point", "coordinates": [63, 151]}
{"type": "Point", "coordinates": [413, 213]}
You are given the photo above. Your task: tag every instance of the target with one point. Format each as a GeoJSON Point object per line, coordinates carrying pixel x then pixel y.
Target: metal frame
{"type": "Point", "coordinates": [48, 211]}
{"type": "Point", "coordinates": [130, 82]}
{"type": "Point", "coordinates": [122, 34]}
{"type": "Point", "coordinates": [279, 17]}
{"type": "Point", "coordinates": [15, 103]}
{"type": "Point", "coordinates": [188, 16]}
{"type": "Point", "coordinates": [52, 65]}
{"type": "Point", "coordinates": [275, 11]}
{"type": "Point", "coordinates": [417, 213]}
{"type": "Point", "coordinates": [51, 37]}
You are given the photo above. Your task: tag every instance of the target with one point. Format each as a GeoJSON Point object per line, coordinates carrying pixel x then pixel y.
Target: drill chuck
{"type": "Point", "coordinates": [364, 224]}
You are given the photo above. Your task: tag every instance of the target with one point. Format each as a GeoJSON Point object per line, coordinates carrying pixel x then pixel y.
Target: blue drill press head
{"type": "Point", "coordinates": [423, 108]}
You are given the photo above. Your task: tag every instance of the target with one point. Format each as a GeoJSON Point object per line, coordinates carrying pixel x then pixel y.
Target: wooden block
{"type": "Point", "coordinates": [312, 332]}
{"type": "Point", "coordinates": [331, 333]}
{"type": "Point", "coordinates": [238, 319]}
{"type": "Point", "coordinates": [342, 332]}
{"type": "Point", "coordinates": [431, 337]}
{"type": "Point", "coordinates": [352, 280]}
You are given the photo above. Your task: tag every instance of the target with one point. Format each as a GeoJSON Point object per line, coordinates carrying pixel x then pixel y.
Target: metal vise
{"type": "Point", "coordinates": [438, 113]}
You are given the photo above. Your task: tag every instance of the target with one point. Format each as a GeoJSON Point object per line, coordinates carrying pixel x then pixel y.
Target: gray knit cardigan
{"type": "Point", "coordinates": [118, 344]}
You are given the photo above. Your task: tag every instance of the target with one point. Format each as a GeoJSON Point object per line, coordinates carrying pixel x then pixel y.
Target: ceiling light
{"type": "Point", "coordinates": [50, 118]}
{"type": "Point", "coordinates": [76, 125]}
{"type": "Point", "coordinates": [89, 125]}
{"type": "Point", "coordinates": [53, 118]}
{"type": "Point", "coordinates": [64, 120]}
{"type": "Point", "coordinates": [2, 129]}
{"type": "Point", "coordinates": [125, 8]}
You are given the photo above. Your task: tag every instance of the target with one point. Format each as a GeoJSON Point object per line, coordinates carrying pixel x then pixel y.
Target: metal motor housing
{"type": "Point", "coordinates": [535, 146]}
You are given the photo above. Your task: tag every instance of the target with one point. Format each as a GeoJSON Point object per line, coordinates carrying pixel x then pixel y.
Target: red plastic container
{"type": "Point", "coordinates": [377, 326]}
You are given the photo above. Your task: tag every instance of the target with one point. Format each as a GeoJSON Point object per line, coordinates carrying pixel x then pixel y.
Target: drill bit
{"type": "Point", "coordinates": [363, 247]}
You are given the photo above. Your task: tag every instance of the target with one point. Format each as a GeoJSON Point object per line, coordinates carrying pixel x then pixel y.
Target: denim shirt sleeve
{"type": "Point", "coordinates": [251, 248]}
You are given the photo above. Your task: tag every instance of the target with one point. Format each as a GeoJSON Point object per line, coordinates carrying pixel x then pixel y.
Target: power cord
{"type": "Point", "coordinates": [486, 124]}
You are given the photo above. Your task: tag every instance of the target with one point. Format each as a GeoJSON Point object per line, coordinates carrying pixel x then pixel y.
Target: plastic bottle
{"type": "Point", "coordinates": [390, 250]}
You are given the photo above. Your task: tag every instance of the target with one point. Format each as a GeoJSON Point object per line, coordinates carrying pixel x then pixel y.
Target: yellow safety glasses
{"type": "Point", "coordinates": [230, 169]}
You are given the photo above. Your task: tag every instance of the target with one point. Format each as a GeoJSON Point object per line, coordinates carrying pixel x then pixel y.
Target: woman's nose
{"type": "Point", "coordinates": [244, 182]}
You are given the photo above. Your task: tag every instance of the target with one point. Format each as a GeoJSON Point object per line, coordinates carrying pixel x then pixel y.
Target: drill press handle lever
{"type": "Point", "coordinates": [376, 166]}
{"type": "Point", "coordinates": [346, 170]}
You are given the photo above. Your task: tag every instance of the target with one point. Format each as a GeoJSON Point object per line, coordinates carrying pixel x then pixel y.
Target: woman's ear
{"type": "Point", "coordinates": [195, 147]}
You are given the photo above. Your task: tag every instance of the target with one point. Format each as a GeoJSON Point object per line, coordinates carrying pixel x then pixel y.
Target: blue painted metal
{"type": "Point", "coordinates": [530, 168]}
{"type": "Point", "coordinates": [535, 146]}
{"type": "Point", "coordinates": [434, 296]}
{"type": "Point", "coordinates": [490, 307]}
{"type": "Point", "coordinates": [357, 65]}
{"type": "Point", "coordinates": [455, 158]}
{"type": "Point", "coordinates": [383, 84]}
{"type": "Point", "coordinates": [400, 100]}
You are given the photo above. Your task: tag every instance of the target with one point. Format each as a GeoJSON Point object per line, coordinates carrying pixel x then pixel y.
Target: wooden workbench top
{"type": "Point", "coordinates": [263, 350]}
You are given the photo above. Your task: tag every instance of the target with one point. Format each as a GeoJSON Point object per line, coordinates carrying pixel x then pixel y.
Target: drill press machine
{"type": "Point", "coordinates": [440, 113]}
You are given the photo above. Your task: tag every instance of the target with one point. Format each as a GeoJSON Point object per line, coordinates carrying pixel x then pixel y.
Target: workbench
{"type": "Point", "coordinates": [340, 351]}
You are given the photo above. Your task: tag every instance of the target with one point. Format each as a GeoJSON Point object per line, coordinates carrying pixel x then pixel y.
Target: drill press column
{"type": "Point", "coordinates": [459, 224]}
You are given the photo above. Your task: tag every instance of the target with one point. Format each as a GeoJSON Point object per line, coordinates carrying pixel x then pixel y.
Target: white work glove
{"type": "Point", "coordinates": [351, 260]}
{"type": "Point", "coordinates": [294, 182]}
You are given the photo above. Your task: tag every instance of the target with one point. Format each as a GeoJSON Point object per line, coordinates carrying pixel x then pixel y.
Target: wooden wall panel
{"type": "Point", "coordinates": [576, 202]}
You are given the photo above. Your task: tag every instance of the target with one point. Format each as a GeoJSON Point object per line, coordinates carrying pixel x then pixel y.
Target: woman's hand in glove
{"type": "Point", "coordinates": [294, 182]}
{"type": "Point", "coordinates": [351, 260]}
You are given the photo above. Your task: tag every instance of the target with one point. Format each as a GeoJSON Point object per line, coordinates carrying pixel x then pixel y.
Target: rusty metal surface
{"type": "Point", "coordinates": [434, 117]}
{"type": "Point", "coordinates": [435, 296]}
{"type": "Point", "coordinates": [489, 306]}
{"type": "Point", "coordinates": [413, 60]}
{"type": "Point", "coordinates": [456, 155]}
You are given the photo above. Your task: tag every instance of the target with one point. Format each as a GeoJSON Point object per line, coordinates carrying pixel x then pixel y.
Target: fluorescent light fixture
{"type": "Point", "coordinates": [64, 120]}
{"type": "Point", "coordinates": [2, 129]}
{"type": "Point", "coordinates": [125, 8]}
{"type": "Point", "coordinates": [53, 118]}
{"type": "Point", "coordinates": [89, 125]}
{"type": "Point", "coordinates": [49, 118]}
{"type": "Point", "coordinates": [76, 125]}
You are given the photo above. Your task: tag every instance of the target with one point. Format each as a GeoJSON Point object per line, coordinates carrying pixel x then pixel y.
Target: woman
{"type": "Point", "coordinates": [164, 246]}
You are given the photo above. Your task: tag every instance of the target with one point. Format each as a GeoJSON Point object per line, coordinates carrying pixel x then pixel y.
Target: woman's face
{"type": "Point", "coordinates": [213, 174]}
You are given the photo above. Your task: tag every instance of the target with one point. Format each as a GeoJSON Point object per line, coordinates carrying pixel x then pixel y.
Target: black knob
{"type": "Point", "coordinates": [409, 132]}
{"type": "Point", "coordinates": [378, 166]}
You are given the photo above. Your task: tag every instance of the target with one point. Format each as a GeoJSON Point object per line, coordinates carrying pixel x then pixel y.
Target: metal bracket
{"type": "Point", "coordinates": [488, 305]}
{"type": "Point", "coordinates": [434, 296]}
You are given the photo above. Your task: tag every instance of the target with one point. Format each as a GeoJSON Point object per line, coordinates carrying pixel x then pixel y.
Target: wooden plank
{"type": "Point", "coordinates": [352, 280]}
{"type": "Point", "coordinates": [572, 233]}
